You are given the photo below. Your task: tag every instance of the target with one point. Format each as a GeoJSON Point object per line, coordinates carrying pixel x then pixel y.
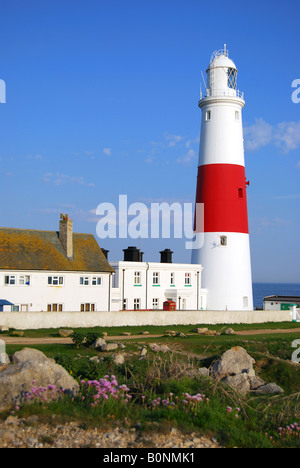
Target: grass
{"type": "Point", "coordinates": [171, 377]}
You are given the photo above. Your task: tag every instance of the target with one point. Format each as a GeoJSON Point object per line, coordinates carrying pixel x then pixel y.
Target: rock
{"type": "Point", "coordinates": [118, 359]}
{"type": "Point", "coordinates": [170, 332]}
{"type": "Point", "coordinates": [110, 347]}
{"type": "Point", "coordinates": [239, 382]}
{"type": "Point", "coordinates": [157, 347]}
{"type": "Point", "coordinates": [256, 382]}
{"type": "Point", "coordinates": [144, 352]}
{"type": "Point", "coordinates": [234, 361]}
{"type": "Point", "coordinates": [126, 333]}
{"type": "Point", "coordinates": [203, 372]}
{"type": "Point", "coordinates": [65, 333]}
{"type": "Point", "coordinates": [99, 343]}
{"type": "Point", "coordinates": [268, 388]}
{"type": "Point", "coordinates": [31, 365]}
{"type": "Point", "coordinates": [4, 358]}
{"type": "Point", "coordinates": [144, 333]}
{"type": "Point", "coordinates": [201, 331]}
{"type": "Point", "coordinates": [229, 331]}
{"type": "Point", "coordinates": [121, 346]}
{"type": "Point", "coordinates": [6, 436]}
{"type": "Point", "coordinates": [180, 334]}
{"type": "Point", "coordinates": [210, 333]}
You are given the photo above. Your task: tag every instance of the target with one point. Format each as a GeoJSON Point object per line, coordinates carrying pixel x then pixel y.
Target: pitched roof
{"type": "Point", "coordinates": [23, 249]}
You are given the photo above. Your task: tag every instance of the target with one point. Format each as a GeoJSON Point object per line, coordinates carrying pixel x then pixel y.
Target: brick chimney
{"type": "Point", "coordinates": [66, 234]}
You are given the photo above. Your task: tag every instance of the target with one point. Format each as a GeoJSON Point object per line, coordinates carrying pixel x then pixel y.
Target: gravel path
{"type": "Point", "coordinates": [52, 340]}
{"type": "Point", "coordinates": [32, 433]}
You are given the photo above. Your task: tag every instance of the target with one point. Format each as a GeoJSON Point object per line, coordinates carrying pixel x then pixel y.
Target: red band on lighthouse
{"type": "Point", "coordinates": [222, 190]}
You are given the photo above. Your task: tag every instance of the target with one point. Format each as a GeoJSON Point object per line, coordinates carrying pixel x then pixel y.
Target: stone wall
{"type": "Point", "coordinates": [36, 320]}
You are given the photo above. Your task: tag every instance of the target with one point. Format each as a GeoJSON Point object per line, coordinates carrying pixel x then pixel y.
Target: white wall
{"type": "Point", "coordinates": [36, 320]}
{"type": "Point", "coordinates": [37, 295]}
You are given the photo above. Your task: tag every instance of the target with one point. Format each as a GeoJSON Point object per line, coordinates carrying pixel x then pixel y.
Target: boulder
{"type": "Point", "coordinates": [99, 343]}
{"type": "Point", "coordinates": [268, 388]}
{"type": "Point", "coordinates": [239, 382]}
{"type": "Point", "coordinates": [31, 365]}
{"type": "Point", "coordinates": [234, 361]}
{"type": "Point", "coordinates": [118, 359]}
{"type": "Point", "coordinates": [229, 331]}
{"type": "Point", "coordinates": [158, 347]}
{"type": "Point", "coordinates": [201, 331]}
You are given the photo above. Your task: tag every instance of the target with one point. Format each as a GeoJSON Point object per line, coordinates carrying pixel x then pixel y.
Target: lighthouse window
{"type": "Point", "coordinates": [241, 193]}
{"type": "Point", "coordinates": [231, 78]}
{"type": "Point", "coordinates": [237, 115]}
{"type": "Point", "coordinates": [223, 240]}
{"type": "Point", "coordinates": [208, 115]}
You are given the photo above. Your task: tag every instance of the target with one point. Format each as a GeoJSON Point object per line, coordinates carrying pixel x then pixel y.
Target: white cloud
{"type": "Point", "coordinates": [59, 179]}
{"type": "Point", "coordinates": [107, 151]}
{"type": "Point", "coordinates": [258, 135]}
{"type": "Point", "coordinates": [188, 157]}
{"type": "Point", "coordinates": [285, 135]}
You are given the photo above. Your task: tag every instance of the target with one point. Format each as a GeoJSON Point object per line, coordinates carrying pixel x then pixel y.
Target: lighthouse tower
{"type": "Point", "coordinates": [221, 188]}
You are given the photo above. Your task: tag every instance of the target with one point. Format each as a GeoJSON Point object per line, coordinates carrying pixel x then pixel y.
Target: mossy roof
{"type": "Point", "coordinates": [22, 249]}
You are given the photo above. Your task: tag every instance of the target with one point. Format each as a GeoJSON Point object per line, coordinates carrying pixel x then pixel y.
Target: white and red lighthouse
{"type": "Point", "coordinates": [221, 188]}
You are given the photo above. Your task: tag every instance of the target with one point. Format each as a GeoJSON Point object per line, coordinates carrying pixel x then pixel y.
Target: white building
{"type": "Point", "coordinates": [138, 285]}
{"type": "Point", "coordinates": [52, 271]}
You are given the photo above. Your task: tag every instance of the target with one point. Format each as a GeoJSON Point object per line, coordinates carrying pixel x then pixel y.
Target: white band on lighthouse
{"type": "Point", "coordinates": [221, 188]}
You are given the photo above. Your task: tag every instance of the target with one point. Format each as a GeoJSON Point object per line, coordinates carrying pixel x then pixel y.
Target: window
{"type": "Point", "coordinates": [125, 304]}
{"type": "Point", "coordinates": [208, 115]}
{"type": "Point", "coordinates": [223, 240]}
{"type": "Point", "coordinates": [187, 279]}
{"type": "Point", "coordinates": [15, 308]}
{"type": "Point", "coordinates": [155, 303]}
{"type": "Point", "coordinates": [54, 308]}
{"type": "Point", "coordinates": [96, 281]}
{"type": "Point", "coordinates": [231, 78]}
{"type": "Point", "coordinates": [55, 280]}
{"type": "Point", "coordinates": [241, 193]}
{"type": "Point", "coordinates": [155, 278]}
{"type": "Point", "coordinates": [237, 115]}
{"type": "Point", "coordinates": [137, 278]}
{"type": "Point", "coordinates": [84, 280]}
{"type": "Point", "coordinates": [137, 304]}
{"type": "Point", "coordinates": [10, 280]}
{"type": "Point", "coordinates": [87, 307]}
{"type": "Point", "coordinates": [24, 280]}
{"type": "Point", "coordinates": [172, 279]}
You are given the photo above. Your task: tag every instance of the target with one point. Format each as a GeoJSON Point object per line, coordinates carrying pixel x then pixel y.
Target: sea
{"type": "Point", "coordinates": [261, 290]}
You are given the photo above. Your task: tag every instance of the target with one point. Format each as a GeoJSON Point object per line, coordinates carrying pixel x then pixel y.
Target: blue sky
{"type": "Point", "coordinates": [102, 100]}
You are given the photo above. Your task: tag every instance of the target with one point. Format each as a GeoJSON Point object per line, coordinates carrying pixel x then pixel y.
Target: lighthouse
{"type": "Point", "coordinates": [222, 189]}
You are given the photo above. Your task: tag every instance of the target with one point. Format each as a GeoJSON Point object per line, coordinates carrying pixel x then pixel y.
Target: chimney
{"type": "Point", "coordinates": [66, 234]}
{"type": "Point", "coordinates": [166, 256]}
{"type": "Point", "coordinates": [132, 254]}
{"type": "Point", "coordinates": [105, 252]}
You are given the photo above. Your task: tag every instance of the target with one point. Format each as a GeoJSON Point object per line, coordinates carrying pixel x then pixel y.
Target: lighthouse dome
{"type": "Point", "coordinates": [222, 61]}
{"type": "Point", "coordinates": [221, 75]}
